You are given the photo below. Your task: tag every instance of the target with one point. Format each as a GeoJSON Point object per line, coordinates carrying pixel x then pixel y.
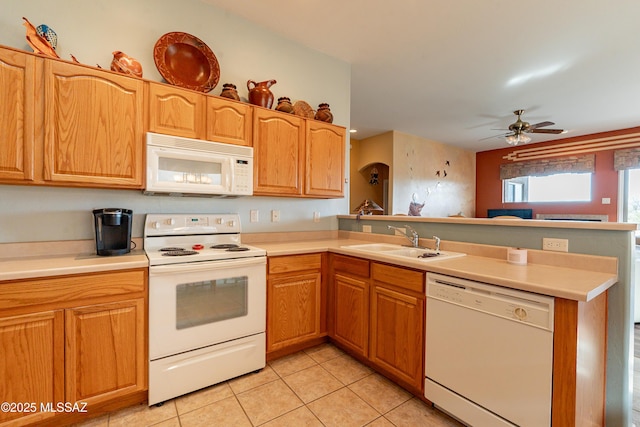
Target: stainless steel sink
{"type": "Point", "coordinates": [403, 252]}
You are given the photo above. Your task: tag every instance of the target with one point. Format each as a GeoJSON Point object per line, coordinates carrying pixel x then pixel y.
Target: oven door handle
{"type": "Point", "coordinates": [206, 265]}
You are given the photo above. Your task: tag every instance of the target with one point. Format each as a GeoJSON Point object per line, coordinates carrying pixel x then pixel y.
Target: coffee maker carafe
{"type": "Point", "coordinates": [113, 231]}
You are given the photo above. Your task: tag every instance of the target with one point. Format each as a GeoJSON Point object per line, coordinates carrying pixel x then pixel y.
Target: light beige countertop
{"type": "Point", "coordinates": [547, 273]}
{"type": "Point", "coordinates": [32, 260]}
{"type": "Point", "coordinates": [564, 275]}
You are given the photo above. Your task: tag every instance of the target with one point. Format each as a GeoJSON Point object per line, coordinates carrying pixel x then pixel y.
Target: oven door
{"type": "Point", "coordinates": [198, 304]}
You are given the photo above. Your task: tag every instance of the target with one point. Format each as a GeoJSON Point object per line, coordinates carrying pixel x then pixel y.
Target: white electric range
{"type": "Point", "coordinates": [207, 302]}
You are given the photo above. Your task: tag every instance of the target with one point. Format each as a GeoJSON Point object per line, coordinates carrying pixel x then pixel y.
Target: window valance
{"type": "Point", "coordinates": [572, 164]}
{"type": "Point", "coordinates": [628, 158]}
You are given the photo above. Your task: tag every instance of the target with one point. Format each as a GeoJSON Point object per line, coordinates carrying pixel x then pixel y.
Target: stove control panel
{"type": "Point", "coordinates": [171, 224]}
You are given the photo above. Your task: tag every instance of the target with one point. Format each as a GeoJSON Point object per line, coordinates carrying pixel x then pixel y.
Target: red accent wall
{"type": "Point", "coordinates": [605, 182]}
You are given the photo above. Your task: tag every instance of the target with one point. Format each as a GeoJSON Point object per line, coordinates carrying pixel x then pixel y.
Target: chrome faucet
{"type": "Point", "coordinates": [414, 234]}
{"type": "Point", "coordinates": [437, 239]}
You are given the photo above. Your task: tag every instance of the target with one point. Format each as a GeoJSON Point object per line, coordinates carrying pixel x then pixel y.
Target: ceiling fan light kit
{"type": "Point", "coordinates": [517, 139]}
{"type": "Point", "coordinates": [519, 129]}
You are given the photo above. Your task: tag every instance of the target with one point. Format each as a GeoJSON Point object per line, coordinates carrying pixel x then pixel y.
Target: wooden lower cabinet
{"type": "Point", "coordinates": [72, 340]}
{"type": "Point", "coordinates": [31, 365]}
{"type": "Point", "coordinates": [352, 312]}
{"type": "Point", "coordinates": [105, 355]}
{"type": "Point", "coordinates": [378, 315]}
{"type": "Point", "coordinates": [295, 308]}
{"type": "Point", "coordinates": [397, 334]}
{"type": "Point", "coordinates": [397, 322]}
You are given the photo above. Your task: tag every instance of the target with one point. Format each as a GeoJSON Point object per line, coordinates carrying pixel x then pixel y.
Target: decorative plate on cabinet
{"type": "Point", "coordinates": [186, 61]}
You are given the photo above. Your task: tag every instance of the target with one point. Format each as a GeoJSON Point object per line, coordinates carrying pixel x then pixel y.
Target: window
{"type": "Point", "coordinates": [631, 195]}
{"type": "Point", "coordinates": [561, 187]}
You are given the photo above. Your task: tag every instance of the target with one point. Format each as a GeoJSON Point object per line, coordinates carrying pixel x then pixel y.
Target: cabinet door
{"type": "Point", "coordinates": [351, 310]}
{"type": "Point", "coordinates": [397, 334]}
{"type": "Point", "coordinates": [175, 111]}
{"type": "Point", "coordinates": [105, 351]}
{"type": "Point", "coordinates": [93, 127]}
{"type": "Point", "coordinates": [278, 143]}
{"type": "Point", "coordinates": [229, 121]}
{"type": "Point", "coordinates": [293, 309]}
{"type": "Point", "coordinates": [325, 152]}
{"type": "Point", "coordinates": [32, 363]}
{"type": "Point", "coordinates": [17, 121]}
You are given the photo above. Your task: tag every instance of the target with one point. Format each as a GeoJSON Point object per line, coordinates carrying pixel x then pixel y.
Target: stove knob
{"type": "Point", "coordinates": [171, 221]}
{"type": "Point", "coordinates": [219, 221]}
{"type": "Point", "coordinates": [156, 225]}
{"type": "Point", "coordinates": [232, 223]}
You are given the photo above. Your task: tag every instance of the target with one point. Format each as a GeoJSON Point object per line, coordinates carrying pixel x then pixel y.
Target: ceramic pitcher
{"type": "Point", "coordinates": [260, 94]}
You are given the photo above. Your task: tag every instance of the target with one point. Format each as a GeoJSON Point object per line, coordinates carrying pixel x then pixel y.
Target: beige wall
{"type": "Point", "coordinates": [414, 162]}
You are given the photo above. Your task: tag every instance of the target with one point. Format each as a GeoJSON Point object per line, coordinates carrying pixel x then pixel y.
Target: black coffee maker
{"type": "Point", "coordinates": [113, 230]}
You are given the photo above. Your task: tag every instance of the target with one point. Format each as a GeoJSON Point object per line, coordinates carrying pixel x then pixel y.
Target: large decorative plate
{"type": "Point", "coordinates": [186, 61]}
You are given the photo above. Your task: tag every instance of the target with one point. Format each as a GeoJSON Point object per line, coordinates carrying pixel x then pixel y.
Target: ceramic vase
{"type": "Point", "coordinates": [230, 91]}
{"type": "Point", "coordinates": [324, 113]}
{"type": "Point", "coordinates": [284, 105]}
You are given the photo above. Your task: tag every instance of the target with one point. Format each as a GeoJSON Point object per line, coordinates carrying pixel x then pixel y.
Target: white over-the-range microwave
{"type": "Point", "coordinates": [192, 167]}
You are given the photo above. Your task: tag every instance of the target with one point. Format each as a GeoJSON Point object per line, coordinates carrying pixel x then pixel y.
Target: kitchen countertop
{"type": "Point", "coordinates": [557, 281]}
{"type": "Point", "coordinates": [486, 264]}
{"type": "Point", "coordinates": [57, 265]}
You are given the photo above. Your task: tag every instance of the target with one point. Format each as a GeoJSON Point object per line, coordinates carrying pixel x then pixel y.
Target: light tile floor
{"type": "Point", "coordinates": [321, 386]}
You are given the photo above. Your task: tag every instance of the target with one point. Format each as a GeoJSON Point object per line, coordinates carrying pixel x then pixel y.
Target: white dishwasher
{"type": "Point", "coordinates": [489, 353]}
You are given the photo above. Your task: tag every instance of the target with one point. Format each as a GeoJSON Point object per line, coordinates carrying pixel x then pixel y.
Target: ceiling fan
{"type": "Point", "coordinates": [519, 129]}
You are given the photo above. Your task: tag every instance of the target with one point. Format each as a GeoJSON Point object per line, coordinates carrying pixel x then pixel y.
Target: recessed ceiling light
{"type": "Point", "coordinates": [353, 130]}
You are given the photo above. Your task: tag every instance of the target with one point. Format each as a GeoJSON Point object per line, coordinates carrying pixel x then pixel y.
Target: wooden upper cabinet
{"type": "Point", "coordinates": [325, 152]}
{"type": "Point", "coordinates": [229, 121]}
{"type": "Point", "coordinates": [176, 111]}
{"type": "Point", "coordinates": [94, 127]}
{"type": "Point", "coordinates": [278, 143]}
{"type": "Point", "coordinates": [17, 122]}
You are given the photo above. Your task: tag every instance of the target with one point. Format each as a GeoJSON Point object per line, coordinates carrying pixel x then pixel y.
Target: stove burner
{"type": "Point", "coordinates": [237, 249]}
{"type": "Point", "coordinates": [180, 252]}
{"type": "Point", "coordinates": [171, 249]}
{"type": "Point", "coordinates": [224, 246]}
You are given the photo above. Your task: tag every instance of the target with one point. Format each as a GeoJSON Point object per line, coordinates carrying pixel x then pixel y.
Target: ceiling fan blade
{"type": "Point", "coordinates": [502, 135]}
{"type": "Point", "coordinates": [555, 131]}
{"type": "Point", "coordinates": [540, 125]}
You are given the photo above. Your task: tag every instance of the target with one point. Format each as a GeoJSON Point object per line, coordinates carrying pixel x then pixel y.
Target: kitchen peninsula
{"type": "Point", "coordinates": [590, 238]}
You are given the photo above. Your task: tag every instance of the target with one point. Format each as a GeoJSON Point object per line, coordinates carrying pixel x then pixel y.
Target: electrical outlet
{"type": "Point", "coordinates": [557, 245]}
{"type": "Point", "coordinates": [254, 215]}
{"type": "Point", "coordinates": [316, 217]}
{"type": "Point", "coordinates": [275, 216]}
{"type": "Point", "coordinates": [366, 229]}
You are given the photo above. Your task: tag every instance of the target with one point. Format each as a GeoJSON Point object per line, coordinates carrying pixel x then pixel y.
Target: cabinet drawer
{"type": "Point", "coordinates": [351, 265]}
{"type": "Point", "coordinates": [400, 277]}
{"type": "Point", "coordinates": [290, 263]}
{"type": "Point", "coordinates": [63, 291]}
